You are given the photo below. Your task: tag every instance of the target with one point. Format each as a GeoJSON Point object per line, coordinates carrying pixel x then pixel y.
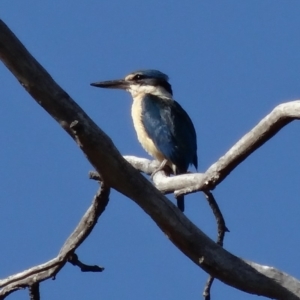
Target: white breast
{"type": "Point", "coordinates": [146, 142]}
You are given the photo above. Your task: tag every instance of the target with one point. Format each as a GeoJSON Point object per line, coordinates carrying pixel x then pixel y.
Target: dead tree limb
{"type": "Point", "coordinates": [279, 117]}
{"type": "Point", "coordinates": [29, 278]}
{"type": "Point", "coordinates": [120, 175]}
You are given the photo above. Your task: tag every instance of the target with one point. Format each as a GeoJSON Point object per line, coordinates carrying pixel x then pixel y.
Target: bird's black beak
{"type": "Point", "coordinates": [112, 84]}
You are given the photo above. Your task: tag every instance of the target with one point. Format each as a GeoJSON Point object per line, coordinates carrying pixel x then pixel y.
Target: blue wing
{"type": "Point", "coordinates": [171, 130]}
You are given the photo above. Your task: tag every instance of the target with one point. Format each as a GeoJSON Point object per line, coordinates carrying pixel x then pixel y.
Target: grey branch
{"type": "Point", "coordinates": [162, 181]}
{"type": "Point", "coordinates": [280, 116]}
{"type": "Point", "coordinates": [120, 175]}
{"type": "Point", "coordinates": [29, 278]}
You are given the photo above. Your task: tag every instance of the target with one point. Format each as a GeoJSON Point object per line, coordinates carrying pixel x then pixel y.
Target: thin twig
{"type": "Point", "coordinates": [221, 234]}
{"type": "Point", "coordinates": [94, 175]}
{"type": "Point", "coordinates": [207, 287]}
{"type": "Point", "coordinates": [74, 260]}
{"type": "Point", "coordinates": [34, 291]}
{"type": "Point", "coordinates": [218, 215]}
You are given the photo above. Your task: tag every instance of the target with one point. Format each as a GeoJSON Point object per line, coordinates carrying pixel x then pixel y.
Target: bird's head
{"type": "Point", "coordinates": [142, 81]}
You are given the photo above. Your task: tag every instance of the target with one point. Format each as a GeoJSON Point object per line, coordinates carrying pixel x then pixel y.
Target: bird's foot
{"type": "Point", "coordinates": [162, 165]}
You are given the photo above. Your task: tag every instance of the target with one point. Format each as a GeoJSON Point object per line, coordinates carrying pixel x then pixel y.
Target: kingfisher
{"type": "Point", "coordinates": [163, 127]}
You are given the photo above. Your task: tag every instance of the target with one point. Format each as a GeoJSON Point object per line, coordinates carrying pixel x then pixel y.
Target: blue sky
{"type": "Point", "coordinates": [230, 63]}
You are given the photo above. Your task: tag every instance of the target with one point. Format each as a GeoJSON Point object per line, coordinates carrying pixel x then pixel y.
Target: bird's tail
{"type": "Point", "coordinates": [180, 203]}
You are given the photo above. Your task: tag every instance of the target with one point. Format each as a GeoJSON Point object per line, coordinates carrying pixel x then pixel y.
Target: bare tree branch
{"type": "Point", "coordinates": [117, 173]}
{"type": "Point", "coordinates": [163, 180]}
{"type": "Point", "coordinates": [218, 216]}
{"type": "Point", "coordinates": [164, 183]}
{"type": "Point", "coordinates": [207, 287]}
{"type": "Point", "coordinates": [222, 229]}
{"type": "Point", "coordinates": [74, 260]}
{"type": "Point", "coordinates": [143, 164]}
{"type": "Point", "coordinates": [32, 276]}
{"type": "Point", "coordinates": [34, 291]}
{"type": "Point", "coordinates": [279, 117]}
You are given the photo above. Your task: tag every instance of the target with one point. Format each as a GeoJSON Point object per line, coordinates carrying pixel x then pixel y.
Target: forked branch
{"type": "Point", "coordinates": [31, 277]}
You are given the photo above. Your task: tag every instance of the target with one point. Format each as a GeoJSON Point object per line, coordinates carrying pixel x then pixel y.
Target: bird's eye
{"type": "Point", "coordinates": [138, 77]}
